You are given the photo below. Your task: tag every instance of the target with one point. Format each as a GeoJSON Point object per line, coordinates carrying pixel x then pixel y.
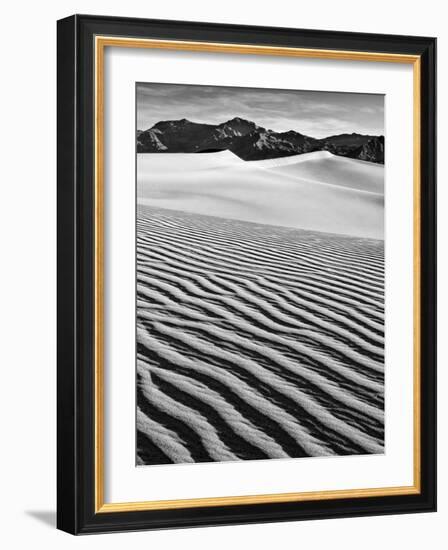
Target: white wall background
{"type": "Point", "coordinates": [27, 273]}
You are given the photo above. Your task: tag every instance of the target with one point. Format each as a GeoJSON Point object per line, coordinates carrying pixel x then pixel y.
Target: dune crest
{"type": "Point", "coordinates": [293, 159]}
{"type": "Point", "coordinates": [324, 167]}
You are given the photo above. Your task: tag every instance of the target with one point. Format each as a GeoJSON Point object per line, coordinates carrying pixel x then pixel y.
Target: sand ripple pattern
{"type": "Point", "coordinates": [256, 341]}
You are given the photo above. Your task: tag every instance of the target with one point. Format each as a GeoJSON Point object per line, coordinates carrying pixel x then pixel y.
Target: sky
{"type": "Point", "coordinates": [313, 113]}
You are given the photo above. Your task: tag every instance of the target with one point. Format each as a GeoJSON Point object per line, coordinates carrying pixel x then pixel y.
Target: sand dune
{"type": "Point", "coordinates": [166, 164]}
{"type": "Point", "coordinates": [256, 341]}
{"type": "Point", "coordinates": [324, 167]}
{"type": "Point", "coordinates": [317, 191]}
{"type": "Point", "coordinates": [260, 307]}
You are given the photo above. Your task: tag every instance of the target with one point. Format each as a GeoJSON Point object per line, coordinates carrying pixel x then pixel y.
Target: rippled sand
{"type": "Point", "coordinates": [256, 341]}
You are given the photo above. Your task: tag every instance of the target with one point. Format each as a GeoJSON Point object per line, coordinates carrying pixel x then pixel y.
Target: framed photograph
{"type": "Point", "coordinates": [246, 274]}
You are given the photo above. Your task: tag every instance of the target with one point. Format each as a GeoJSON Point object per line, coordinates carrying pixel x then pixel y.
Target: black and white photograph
{"type": "Point", "coordinates": [260, 274]}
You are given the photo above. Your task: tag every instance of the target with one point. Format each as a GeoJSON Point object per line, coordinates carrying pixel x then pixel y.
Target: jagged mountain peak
{"type": "Point", "coordinates": [291, 133]}
{"type": "Point", "coordinates": [239, 124]}
{"type": "Point", "coordinates": [171, 123]}
{"type": "Point", "coordinates": [238, 120]}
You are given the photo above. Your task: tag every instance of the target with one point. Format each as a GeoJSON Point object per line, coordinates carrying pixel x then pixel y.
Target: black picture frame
{"type": "Point", "coordinates": [76, 511]}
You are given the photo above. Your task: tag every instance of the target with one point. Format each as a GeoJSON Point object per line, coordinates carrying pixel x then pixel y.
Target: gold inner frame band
{"type": "Point", "coordinates": [101, 42]}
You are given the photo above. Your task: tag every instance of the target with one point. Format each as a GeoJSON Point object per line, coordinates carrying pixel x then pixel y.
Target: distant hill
{"type": "Point", "coordinates": [252, 142]}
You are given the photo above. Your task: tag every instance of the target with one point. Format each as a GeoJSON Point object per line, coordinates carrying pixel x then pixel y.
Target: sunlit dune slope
{"type": "Point", "coordinates": [324, 167]}
{"type": "Point", "coordinates": [317, 191]}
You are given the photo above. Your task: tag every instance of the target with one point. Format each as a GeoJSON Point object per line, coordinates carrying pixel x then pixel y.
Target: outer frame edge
{"type": "Point", "coordinates": [67, 461]}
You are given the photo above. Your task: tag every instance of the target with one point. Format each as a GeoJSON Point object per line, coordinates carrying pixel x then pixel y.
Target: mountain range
{"type": "Point", "coordinates": [249, 141]}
